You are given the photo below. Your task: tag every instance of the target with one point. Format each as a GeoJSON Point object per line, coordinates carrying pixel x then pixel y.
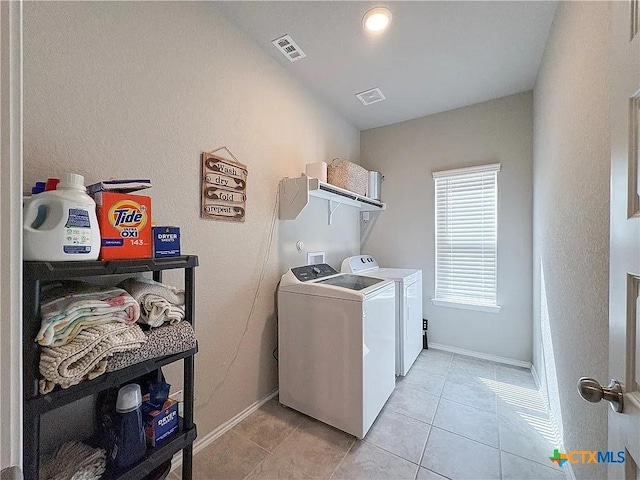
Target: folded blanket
{"type": "Point", "coordinates": [159, 303]}
{"type": "Point", "coordinates": [85, 357]}
{"type": "Point", "coordinates": [68, 308]}
{"type": "Point", "coordinates": [161, 341]}
{"type": "Point", "coordinates": [74, 461]}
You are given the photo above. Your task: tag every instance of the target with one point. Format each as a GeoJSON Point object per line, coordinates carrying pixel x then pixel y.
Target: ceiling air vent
{"type": "Point", "coordinates": [289, 48]}
{"type": "Point", "coordinates": [371, 96]}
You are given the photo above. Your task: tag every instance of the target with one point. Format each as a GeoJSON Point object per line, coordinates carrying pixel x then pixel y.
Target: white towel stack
{"type": "Point", "coordinates": [159, 303]}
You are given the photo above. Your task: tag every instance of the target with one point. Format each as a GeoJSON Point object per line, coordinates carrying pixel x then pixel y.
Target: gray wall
{"type": "Point", "coordinates": [571, 221]}
{"type": "Point", "coordinates": [131, 89]}
{"type": "Point", "coordinates": [403, 235]}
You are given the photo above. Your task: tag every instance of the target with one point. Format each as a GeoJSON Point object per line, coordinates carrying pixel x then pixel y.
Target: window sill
{"type": "Point", "coordinates": [465, 306]}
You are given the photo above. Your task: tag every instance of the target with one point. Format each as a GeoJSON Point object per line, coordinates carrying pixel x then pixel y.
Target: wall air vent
{"type": "Point", "coordinates": [371, 96]}
{"type": "Point", "coordinates": [289, 48]}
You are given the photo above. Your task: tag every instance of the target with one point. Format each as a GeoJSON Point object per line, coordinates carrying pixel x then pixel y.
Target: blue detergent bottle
{"type": "Point", "coordinates": [131, 444]}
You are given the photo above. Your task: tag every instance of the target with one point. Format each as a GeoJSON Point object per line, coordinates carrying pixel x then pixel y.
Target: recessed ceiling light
{"type": "Point", "coordinates": [376, 20]}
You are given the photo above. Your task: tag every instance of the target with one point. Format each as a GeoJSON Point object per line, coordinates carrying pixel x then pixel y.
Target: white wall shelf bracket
{"type": "Point", "coordinates": [332, 209]}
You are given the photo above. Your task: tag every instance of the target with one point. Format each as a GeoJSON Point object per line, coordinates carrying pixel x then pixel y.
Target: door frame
{"type": "Point", "coordinates": [11, 129]}
{"type": "Point", "coordinates": [624, 259]}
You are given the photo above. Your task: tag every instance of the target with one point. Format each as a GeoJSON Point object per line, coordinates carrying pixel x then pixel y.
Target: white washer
{"type": "Point", "coordinates": [335, 357]}
{"type": "Point", "coordinates": [408, 282]}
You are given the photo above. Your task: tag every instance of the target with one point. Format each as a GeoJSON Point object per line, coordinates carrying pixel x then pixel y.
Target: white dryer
{"type": "Point", "coordinates": [408, 334]}
{"type": "Point", "coordinates": [335, 347]}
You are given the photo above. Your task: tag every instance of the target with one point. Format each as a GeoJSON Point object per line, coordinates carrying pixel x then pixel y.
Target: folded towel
{"type": "Point", "coordinates": [86, 355]}
{"type": "Point", "coordinates": [161, 341]}
{"type": "Point", "coordinates": [159, 303]}
{"type": "Point", "coordinates": [68, 308]}
{"type": "Point", "coordinates": [74, 461]}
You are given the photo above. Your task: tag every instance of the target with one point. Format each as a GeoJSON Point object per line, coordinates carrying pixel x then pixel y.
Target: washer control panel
{"type": "Point", "coordinates": [359, 263]}
{"type": "Point", "coordinates": [313, 272]}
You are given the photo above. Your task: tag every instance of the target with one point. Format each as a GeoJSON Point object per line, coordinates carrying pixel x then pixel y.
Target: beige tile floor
{"type": "Point", "coordinates": [451, 417]}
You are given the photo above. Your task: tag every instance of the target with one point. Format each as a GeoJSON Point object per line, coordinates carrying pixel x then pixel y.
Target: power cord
{"type": "Point", "coordinates": [256, 294]}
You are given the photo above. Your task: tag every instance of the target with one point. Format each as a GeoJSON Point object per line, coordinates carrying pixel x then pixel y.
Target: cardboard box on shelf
{"type": "Point", "coordinates": [119, 186]}
{"type": "Point", "coordinates": [161, 424]}
{"type": "Point", "coordinates": [125, 225]}
{"type": "Point", "coordinates": [166, 242]}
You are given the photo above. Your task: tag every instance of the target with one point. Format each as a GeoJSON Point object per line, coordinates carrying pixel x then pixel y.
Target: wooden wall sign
{"type": "Point", "coordinates": [224, 187]}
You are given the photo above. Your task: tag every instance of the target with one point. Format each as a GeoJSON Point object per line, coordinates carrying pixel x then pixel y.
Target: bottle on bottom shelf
{"type": "Point", "coordinates": [130, 442]}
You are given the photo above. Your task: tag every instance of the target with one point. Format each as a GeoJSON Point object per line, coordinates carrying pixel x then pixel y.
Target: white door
{"type": "Point", "coordinates": [624, 283]}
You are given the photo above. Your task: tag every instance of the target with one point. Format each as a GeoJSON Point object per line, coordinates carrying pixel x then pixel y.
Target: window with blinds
{"type": "Point", "coordinates": [466, 236]}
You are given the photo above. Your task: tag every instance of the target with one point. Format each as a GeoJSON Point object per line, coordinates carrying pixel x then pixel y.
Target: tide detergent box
{"type": "Point", "coordinates": [125, 225]}
{"type": "Point", "coordinates": [166, 242]}
{"type": "Point", "coordinates": [159, 425]}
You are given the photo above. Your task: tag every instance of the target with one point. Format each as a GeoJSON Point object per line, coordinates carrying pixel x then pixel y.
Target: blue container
{"type": "Point", "coordinates": [131, 444]}
{"type": "Point", "coordinates": [38, 187]}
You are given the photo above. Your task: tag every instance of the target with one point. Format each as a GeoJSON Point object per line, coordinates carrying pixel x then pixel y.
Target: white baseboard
{"type": "Point", "coordinates": [203, 442]}
{"type": "Point", "coordinates": [483, 356]}
{"type": "Point", "coordinates": [567, 469]}
{"type": "Point", "coordinates": [536, 378]}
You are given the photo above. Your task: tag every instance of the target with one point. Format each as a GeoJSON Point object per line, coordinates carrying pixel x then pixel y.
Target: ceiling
{"type": "Point", "coordinates": [435, 56]}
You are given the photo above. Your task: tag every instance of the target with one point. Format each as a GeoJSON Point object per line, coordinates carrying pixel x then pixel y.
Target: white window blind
{"type": "Point", "coordinates": [466, 235]}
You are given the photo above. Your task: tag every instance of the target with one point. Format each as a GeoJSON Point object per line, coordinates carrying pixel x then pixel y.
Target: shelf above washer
{"type": "Point", "coordinates": [295, 192]}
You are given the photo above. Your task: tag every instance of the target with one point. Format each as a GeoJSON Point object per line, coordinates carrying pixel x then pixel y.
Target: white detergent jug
{"type": "Point", "coordinates": [61, 225]}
